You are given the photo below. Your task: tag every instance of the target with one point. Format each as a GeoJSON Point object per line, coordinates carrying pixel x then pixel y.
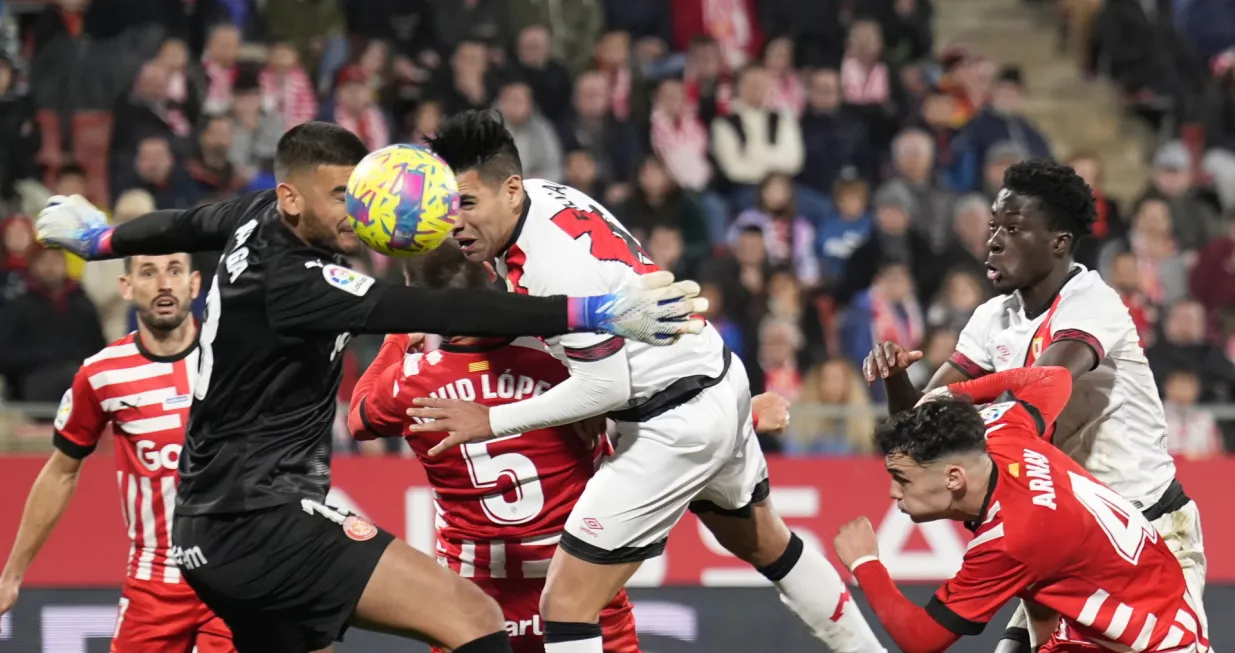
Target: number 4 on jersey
{"type": "Point", "coordinates": [609, 242]}
{"type": "Point", "coordinates": [1123, 524]}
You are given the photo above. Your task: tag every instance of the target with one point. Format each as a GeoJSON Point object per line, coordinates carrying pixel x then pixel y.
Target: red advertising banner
{"type": "Point", "coordinates": [815, 496]}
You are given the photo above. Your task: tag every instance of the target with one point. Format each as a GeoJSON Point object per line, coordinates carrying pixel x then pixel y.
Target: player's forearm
{"type": "Point", "coordinates": [593, 388]}
{"type": "Point", "coordinates": [377, 376]}
{"type": "Point", "coordinates": [48, 499]}
{"type": "Point", "coordinates": [901, 394]}
{"type": "Point", "coordinates": [909, 625]}
{"type": "Point", "coordinates": [467, 312]}
{"type": "Point", "coordinates": [1046, 388]}
{"type": "Point", "coordinates": [160, 232]}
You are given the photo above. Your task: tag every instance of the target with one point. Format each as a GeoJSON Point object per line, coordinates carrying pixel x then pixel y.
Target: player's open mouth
{"type": "Point", "coordinates": [164, 304]}
{"type": "Point", "coordinates": [466, 244]}
{"type": "Point", "coordinates": [993, 273]}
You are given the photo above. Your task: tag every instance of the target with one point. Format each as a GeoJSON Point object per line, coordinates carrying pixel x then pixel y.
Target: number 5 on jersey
{"type": "Point", "coordinates": [522, 479]}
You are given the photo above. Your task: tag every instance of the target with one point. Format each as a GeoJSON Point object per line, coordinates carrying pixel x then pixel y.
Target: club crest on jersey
{"type": "Point", "coordinates": [65, 411]}
{"type": "Point", "coordinates": [1036, 347]}
{"type": "Point", "coordinates": [349, 281]}
{"type": "Point", "coordinates": [358, 529]}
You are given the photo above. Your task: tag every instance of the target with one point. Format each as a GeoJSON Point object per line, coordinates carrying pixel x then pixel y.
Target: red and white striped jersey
{"type": "Point", "coordinates": [1051, 533]}
{"type": "Point", "coordinates": [145, 398]}
{"type": "Point", "coordinates": [501, 504]}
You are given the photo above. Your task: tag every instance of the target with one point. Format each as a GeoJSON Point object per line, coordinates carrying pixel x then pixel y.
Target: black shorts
{"type": "Point", "coordinates": [286, 579]}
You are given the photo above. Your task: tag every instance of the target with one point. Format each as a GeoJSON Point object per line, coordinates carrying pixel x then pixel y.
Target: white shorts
{"type": "Point", "coordinates": [702, 454]}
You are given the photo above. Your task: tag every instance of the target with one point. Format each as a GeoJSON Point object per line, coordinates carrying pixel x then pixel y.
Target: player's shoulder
{"type": "Point", "coordinates": [989, 313]}
{"type": "Point", "coordinates": [1032, 489]}
{"type": "Point", "coordinates": [1088, 288]}
{"type": "Point", "coordinates": [119, 353]}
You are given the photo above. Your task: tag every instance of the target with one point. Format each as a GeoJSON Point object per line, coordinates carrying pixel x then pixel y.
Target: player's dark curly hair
{"type": "Point", "coordinates": [1066, 200]}
{"type": "Point", "coordinates": [933, 430]}
{"type": "Point", "coordinates": [478, 140]}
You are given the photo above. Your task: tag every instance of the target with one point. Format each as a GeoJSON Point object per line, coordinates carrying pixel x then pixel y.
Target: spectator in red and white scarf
{"type": "Point", "coordinates": [613, 60]}
{"type": "Point", "coordinates": [679, 137]}
{"type": "Point", "coordinates": [219, 62]}
{"type": "Point", "coordinates": [355, 110]}
{"type": "Point", "coordinates": [733, 23]}
{"type": "Point", "coordinates": [868, 84]}
{"type": "Point", "coordinates": [286, 87]}
{"type": "Point", "coordinates": [1191, 431]}
{"type": "Point", "coordinates": [185, 83]}
{"type": "Point", "coordinates": [709, 86]}
{"type": "Point", "coordinates": [1164, 270]}
{"type": "Point", "coordinates": [786, 91]}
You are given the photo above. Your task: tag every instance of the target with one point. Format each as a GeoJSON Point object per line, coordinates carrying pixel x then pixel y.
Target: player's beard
{"type": "Point", "coordinates": [160, 323]}
{"type": "Point", "coordinates": [324, 235]}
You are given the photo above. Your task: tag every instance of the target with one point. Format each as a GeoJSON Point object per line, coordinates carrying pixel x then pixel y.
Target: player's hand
{"type": "Point", "coordinates": [652, 309]}
{"type": "Point", "coordinates": [591, 430]}
{"type": "Point", "coordinates": [887, 359]}
{"type": "Point", "coordinates": [934, 395]}
{"type": "Point", "coordinates": [771, 412]}
{"type": "Point", "coordinates": [463, 421]}
{"type": "Point", "coordinates": [9, 587]}
{"type": "Point", "coordinates": [73, 224]}
{"type": "Point", "coordinates": [856, 540]}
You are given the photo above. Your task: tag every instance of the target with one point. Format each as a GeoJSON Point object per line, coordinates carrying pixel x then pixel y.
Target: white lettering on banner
{"type": "Point", "coordinates": [665, 619]}
{"type": "Point", "coordinates": [66, 628]}
{"type": "Point", "coordinates": [790, 502]}
{"type": "Point", "coordinates": [943, 560]}
{"type": "Point", "coordinates": [419, 517]}
{"type": "Point", "coordinates": [6, 626]}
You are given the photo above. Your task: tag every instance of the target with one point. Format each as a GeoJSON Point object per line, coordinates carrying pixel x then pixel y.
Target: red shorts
{"type": "Point", "coordinates": [168, 618]}
{"type": "Point", "coordinates": [520, 601]}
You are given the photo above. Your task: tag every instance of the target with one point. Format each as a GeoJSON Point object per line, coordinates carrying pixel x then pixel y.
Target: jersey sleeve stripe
{"type": "Point", "coordinates": [1081, 336]}
{"type": "Point", "coordinates": [966, 366]}
{"type": "Point", "coordinates": [944, 616]}
{"type": "Point", "coordinates": [70, 448]}
{"type": "Point", "coordinates": [596, 352]}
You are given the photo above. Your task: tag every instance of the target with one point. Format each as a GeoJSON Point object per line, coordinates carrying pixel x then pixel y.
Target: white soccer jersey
{"type": "Point", "coordinates": [566, 243]}
{"type": "Point", "coordinates": [1114, 424]}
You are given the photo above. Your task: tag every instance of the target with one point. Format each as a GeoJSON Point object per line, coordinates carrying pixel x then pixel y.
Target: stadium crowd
{"type": "Point", "coordinates": [822, 167]}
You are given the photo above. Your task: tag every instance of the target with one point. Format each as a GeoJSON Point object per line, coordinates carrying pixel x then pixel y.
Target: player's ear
{"type": "Point", "coordinates": [195, 284]}
{"type": "Point", "coordinates": [956, 478]}
{"type": "Point", "coordinates": [1063, 242]}
{"type": "Point", "coordinates": [126, 287]}
{"type": "Point", "coordinates": [512, 190]}
{"type": "Point", "coordinates": [291, 204]}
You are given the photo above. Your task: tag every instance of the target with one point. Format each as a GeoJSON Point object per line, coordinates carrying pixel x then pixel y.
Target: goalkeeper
{"type": "Point", "coordinates": [253, 533]}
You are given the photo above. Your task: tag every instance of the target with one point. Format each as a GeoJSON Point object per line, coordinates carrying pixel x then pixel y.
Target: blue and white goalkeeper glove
{"type": "Point", "coordinates": [74, 224]}
{"type": "Point", "coordinates": [652, 309]}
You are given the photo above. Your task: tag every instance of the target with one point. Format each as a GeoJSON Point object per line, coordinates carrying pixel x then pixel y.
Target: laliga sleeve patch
{"type": "Point", "coordinates": [358, 529]}
{"type": "Point", "coordinates": [349, 281]}
{"type": "Point", "coordinates": [993, 412]}
{"type": "Point", "coordinates": [65, 411]}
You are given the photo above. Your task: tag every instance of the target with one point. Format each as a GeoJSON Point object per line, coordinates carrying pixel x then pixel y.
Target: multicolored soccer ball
{"type": "Point", "coordinates": [402, 200]}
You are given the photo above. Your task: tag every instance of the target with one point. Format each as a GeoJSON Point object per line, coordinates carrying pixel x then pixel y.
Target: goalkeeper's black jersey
{"type": "Point", "coordinates": [278, 317]}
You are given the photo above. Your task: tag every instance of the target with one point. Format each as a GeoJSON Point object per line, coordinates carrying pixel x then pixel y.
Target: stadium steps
{"type": "Point", "coordinates": [1073, 113]}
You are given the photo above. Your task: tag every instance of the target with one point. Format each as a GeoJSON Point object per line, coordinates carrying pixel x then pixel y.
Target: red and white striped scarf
{"type": "Point", "coordinates": [724, 93]}
{"type": "Point", "coordinates": [683, 145]}
{"type": "Point", "coordinates": [177, 93]}
{"type": "Point", "coordinates": [900, 323]}
{"type": "Point", "coordinates": [619, 92]}
{"type": "Point", "coordinates": [787, 94]}
{"type": "Point", "coordinates": [219, 91]}
{"type": "Point", "coordinates": [370, 127]}
{"type": "Point", "coordinates": [727, 22]}
{"type": "Point", "coordinates": [291, 96]}
{"type": "Point", "coordinates": [862, 85]}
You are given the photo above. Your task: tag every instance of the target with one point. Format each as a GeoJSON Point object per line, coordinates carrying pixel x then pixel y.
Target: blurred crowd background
{"type": "Point", "coordinates": [824, 168]}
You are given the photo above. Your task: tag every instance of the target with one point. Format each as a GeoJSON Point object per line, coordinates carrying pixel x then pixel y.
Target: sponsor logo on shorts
{"type": "Point", "coordinates": [358, 529]}
{"type": "Point", "coordinates": [591, 525]}
{"type": "Point", "coordinates": [524, 627]}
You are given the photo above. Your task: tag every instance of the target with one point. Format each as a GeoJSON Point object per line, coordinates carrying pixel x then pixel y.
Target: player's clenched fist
{"type": "Point", "coordinates": [856, 540]}
{"type": "Point", "coordinates": [771, 412]}
{"type": "Point", "coordinates": [886, 359]}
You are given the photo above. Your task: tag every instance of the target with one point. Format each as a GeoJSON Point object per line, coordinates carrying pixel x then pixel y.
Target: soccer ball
{"type": "Point", "coordinates": [402, 200]}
